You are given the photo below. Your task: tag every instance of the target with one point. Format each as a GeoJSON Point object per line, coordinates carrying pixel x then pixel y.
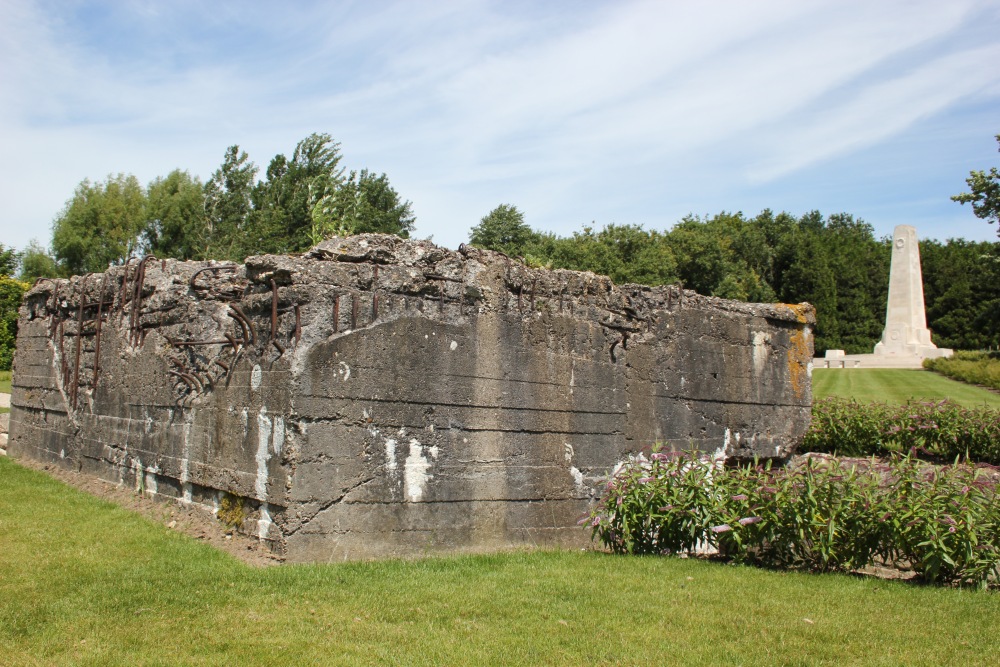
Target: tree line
{"type": "Point", "coordinates": [298, 202]}
{"type": "Point", "coordinates": [835, 263]}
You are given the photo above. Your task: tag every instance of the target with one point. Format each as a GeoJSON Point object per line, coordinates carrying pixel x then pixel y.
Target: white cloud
{"type": "Point", "coordinates": [631, 111]}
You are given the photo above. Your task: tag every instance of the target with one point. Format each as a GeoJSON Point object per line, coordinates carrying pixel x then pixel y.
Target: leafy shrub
{"type": "Point", "coordinates": [11, 293]}
{"type": "Point", "coordinates": [942, 430]}
{"type": "Point", "coordinates": [982, 368]}
{"type": "Point", "coordinates": [943, 522]}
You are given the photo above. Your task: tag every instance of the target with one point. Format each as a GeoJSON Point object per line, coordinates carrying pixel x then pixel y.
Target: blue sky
{"type": "Point", "coordinates": [576, 112]}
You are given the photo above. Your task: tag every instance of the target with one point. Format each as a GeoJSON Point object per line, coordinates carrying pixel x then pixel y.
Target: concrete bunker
{"type": "Point", "coordinates": [377, 397]}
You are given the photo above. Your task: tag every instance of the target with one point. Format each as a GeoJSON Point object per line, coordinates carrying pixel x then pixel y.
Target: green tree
{"type": "Point", "coordinates": [228, 204]}
{"type": "Point", "coordinates": [36, 262]}
{"type": "Point", "coordinates": [8, 261]}
{"type": "Point", "coordinates": [287, 203]}
{"type": "Point", "coordinates": [984, 194]}
{"type": "Point", "coordinates": [176, 223]}
{"type": "Point", "coordinates": [804, 274]}
{"type": "Point", "coordinates": [11, 293]}
{"type": "Point", "coordinates": [100, 225]}
{"type": "Point", "coordinates": [625, 253]}
{"type": "Point", "coordinates": [960, 292]}
{"type": "Point", "coordinates": [365, 203]}
{"type": "Point", "coordinates": [503, 229]}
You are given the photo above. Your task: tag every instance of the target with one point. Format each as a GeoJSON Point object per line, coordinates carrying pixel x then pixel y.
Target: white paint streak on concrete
{"type": "Point", "coordinates": [453, 346]}
{"type": "Point", "coordinates": [577, 478]}
{"type": "Point", "coordinates": [255, 377]}
{"type": "Point", "coordinates": [186, 463]}
{"type": "Point", "coordinates": [415, 475]}
{"type": "Point", "coordinates": [264, 430]}
{"type": "Point", "coordinates": [759, 352]}
{"type": "Point", "coordinates": [264, 522]}
{"type": "Point", "coordinates": [137, 469]}
{"type": "Point", "coordinates": [568, 452]}
{"type": "Point", "coordinates": [434, 451]}
{"type": "Point", "coordinates": [344, 372]}
{"type": "Point", "coordinates": [245, 422]}
{"type": "Point", "coordinates": [390, 455]}
{"type": "Point", "coordinates": [278, 441]}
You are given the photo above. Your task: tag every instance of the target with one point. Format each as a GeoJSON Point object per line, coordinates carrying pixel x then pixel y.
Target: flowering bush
{"type": "Point", "coordinates": [941, 430]}
{"type": "Point", "coordinates": [943, 522]}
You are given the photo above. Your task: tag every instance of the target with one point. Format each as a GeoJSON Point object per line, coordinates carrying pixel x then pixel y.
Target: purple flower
{"type": "Point", "coordinates": [646, 480]}
{"type": "Point", "coordinates": [747, 520]}
{"type": "Point", "coordinates": [740, 496]}
{"type": "Point", "coordinates": [724, 528]}
{"type": "Point", "coordinates": [952, 529]}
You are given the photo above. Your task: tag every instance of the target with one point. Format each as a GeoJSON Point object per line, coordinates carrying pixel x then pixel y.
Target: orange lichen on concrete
{"type": "Point", "coordinates": [800, 351]}
{"type": "Point", "coordinates": [803, 312]}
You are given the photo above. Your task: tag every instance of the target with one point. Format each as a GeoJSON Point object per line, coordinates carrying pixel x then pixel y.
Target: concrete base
{"type": "Point", "coordinates": [880, 360]}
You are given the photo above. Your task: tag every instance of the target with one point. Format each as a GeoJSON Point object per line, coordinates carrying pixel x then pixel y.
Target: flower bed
{"type": "Point", "coordinates": [941, 430]}
{"type": "Point", "coordinates": [823, 514]}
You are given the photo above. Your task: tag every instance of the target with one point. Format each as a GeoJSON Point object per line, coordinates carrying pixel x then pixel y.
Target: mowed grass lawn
{"type": "Point", "coordinates": [897, 386]}
{"type": "Point", "coordinates": [86, 582]}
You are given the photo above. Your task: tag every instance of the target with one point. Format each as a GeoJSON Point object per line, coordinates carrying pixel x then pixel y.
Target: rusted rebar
{"type": "Point", "coordinates": [246, 320]}
{"type": "Point", "coordinates": [79, 342]}
{"type": "Point", "coordinates": [134, 321]}
{"type": "Point", "coordinates": [228, 340]}
{"type": "Point", "coordinates": [189, 380]}
{"type": "Point", "coordinates": [124, 289]}
{"type": "Point", "coordinates": [97, 333]}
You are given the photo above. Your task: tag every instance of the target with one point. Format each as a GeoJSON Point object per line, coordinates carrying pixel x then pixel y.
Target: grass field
{"type": "Point", "coordinates": [898, 386]}
{"type": "Point", "coordinates": [4, 382]}
{"type": "Point", "coordinates": [85, 582]}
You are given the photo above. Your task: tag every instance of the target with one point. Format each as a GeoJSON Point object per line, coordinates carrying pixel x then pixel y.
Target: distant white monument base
{"type": "Point", "coordinates": [880, 360]}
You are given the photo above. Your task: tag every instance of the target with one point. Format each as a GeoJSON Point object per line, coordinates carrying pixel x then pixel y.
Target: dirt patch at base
{"type": "Point", "coordinates": [191, 521]}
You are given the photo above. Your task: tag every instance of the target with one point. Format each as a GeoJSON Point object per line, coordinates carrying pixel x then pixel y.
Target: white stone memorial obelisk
{"type": "Point", "coordinates": [906, 333]}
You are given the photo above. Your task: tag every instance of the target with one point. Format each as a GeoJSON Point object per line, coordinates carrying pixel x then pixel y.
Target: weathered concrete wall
{"type": "Point", "coordinates": [380, 397]}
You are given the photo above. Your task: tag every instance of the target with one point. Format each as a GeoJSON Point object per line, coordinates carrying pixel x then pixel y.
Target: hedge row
{"type": "Point", "coordinates": [982, 368]}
